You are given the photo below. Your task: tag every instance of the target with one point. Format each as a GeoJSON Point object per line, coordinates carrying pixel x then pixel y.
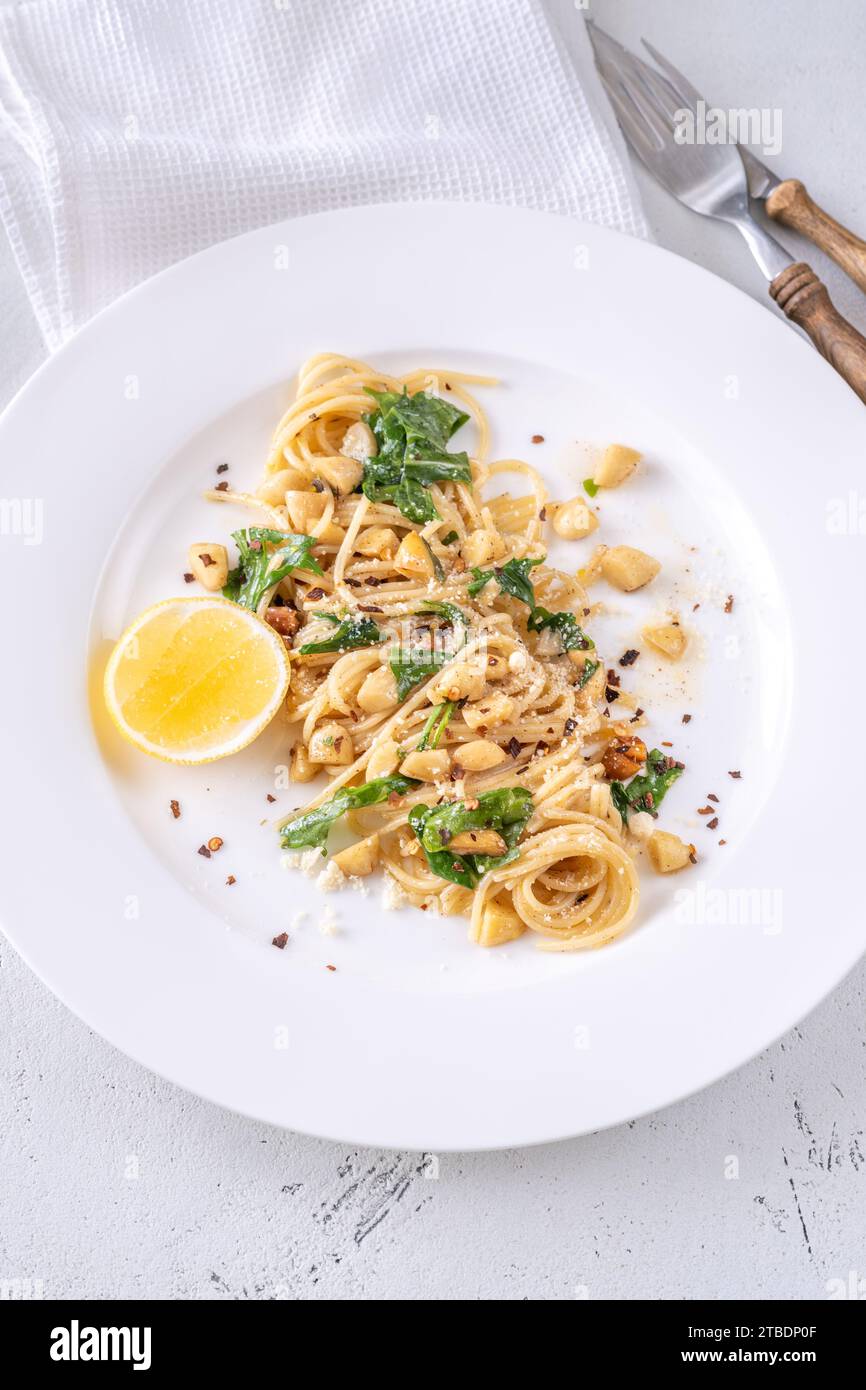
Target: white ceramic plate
{"type": "Point", "coordinates": [418, 1039]}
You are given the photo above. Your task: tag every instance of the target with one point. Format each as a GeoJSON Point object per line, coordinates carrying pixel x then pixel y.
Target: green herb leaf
{"type": "Point", "coordinates": [261, 568]}
{"type": "Point", "coordinates": [353, 631]}
{"type": "Point", "coordinates": [450, 538]}
{"type": "Point", "coordinates": [586, 675]}
{"type": "Point", "coordinates": [590, 487]}
{"type": "Point", "coordinates": [571, 635]}
{"type": "Point", "coordinates": [513, 579]}
{"type": "Point", "coordinates": [505, 810]}
{"type": "Point", "coordinates": [310, 831]}
{"type": "Point", "coordinates": [410, 666]}
{"type": "Point", "coordinates": [479, 579]}
{"type": "Point", "coordinates": [646, 791]}
{"type": "Point", "coordinates": [436, 725]}
{"type": "Point", "coordinates": [412, 432]}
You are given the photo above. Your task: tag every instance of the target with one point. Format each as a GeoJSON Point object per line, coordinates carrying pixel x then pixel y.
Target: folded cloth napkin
{"type": "Point", "coordinates": [135, 132]}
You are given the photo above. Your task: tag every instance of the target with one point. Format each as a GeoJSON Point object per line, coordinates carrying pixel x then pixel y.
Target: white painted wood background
{"type": "Point", "coordinates": [116, 1184]}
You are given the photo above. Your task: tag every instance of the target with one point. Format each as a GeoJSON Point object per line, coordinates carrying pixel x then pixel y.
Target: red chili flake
{"type": "Point", "coordinates": [457, 772]}
{"type": "Point", "coordinates": [204, 851]}
{"type": "Point", "coordinates": [222, 468]}
{"type": "Point", "coordinates": [613, 679]}
{"type": "Point", "coordinates": [629, 657]}
{"type": "Point", "coordinates": [693, 858]}
{"type": "Point", "coordinates": [637, 714]}
{"type": "Point", "coordinates": [330, 967]}
{"type": "Point", "coordinates": [729, 604]}
{"type": "Point", "coordinates": [705, 810]}
{"type": "Point", "coordinates": [514, 747]}
{"type": "Point", "coordinates": [538, 439]}
{"type": "Point", "coordinates": [395, 799]}
{"type": "Point", "coordinates": [711, 796]}
{"type": "Point", "coordinates": [230, 880]}
{"type": "Point", "coordinates": [280, 941]}
{"type": "Point", "coordinates": [353, 583]}
{"type": "Point", "coordinates": [271, 797]}
{"type": "Point", "coordinates": [610, 694]}
{"type": "Point", "coordinates": [369, 608]}
{"type": "Point", "coordinates": [666, 745]}
{"type": "Point", "coordinates": [695, 607]}
{"type": "Point", "coordinates": [174, 807]}
{"type": "Point", "coordinates": [570, 726]}
{"type": "Point", "coordinates": [214, 844]}
{"type": "Point", "coordinates": [542, 515]}
{"type": "Point", "coordinates": [255, 545]}
{"type": "Point", "coordinates": [316, 593]}
{"type": "Point", "coordinates": [187, 577]}
{"type": "Point", "coordinates": [723, 842]}
{"type": "Point", "coordinates": [540, 748]}
{"type": "Point", "coordinates": [736, 775]}
{"type": "Point", "coordinates": [687, 719]}
{"type": "Point", "coordinates": [221, 487]}
{"type": "Point", "coordinates": [713, 824]}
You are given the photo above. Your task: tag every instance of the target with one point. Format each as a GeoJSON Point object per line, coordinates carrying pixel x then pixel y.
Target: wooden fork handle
{"type": "Point", "coordinates": [804, 300]}
{"type": "Point", "coordinates": [791, 204]}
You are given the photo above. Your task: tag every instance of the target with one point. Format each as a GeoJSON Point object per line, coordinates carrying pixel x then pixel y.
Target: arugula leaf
{"type": "Point", "coordinates": [423, 418]}
{"type": "Point", "coordinates": [411, 433]}
{"type": "Point", "coordinates": [449, 611]}
{"type": "Point", "coordinates": [589, 670]}
{"type": "Point", "coordinates": [436, 725]}
{"type": "Point", "coordinates": [450, 538]}
{"type": "Point", "coordinates": [434, 466]}
{"type": "Point", "coordinates": [353, 631]}
{"type": "Point", "coordinates": [505, 810]}
{"type": "Point", "coordinates": [311, 830]}
{"type": "Point", "coordinates": [513, 579]}
{"type": "Point", "coordinates": [249, 581]}
{"type": "Point", "coordinates": [646, 791]}
{"type": "Point", "coordinates": [565, 625]}
{"type": "Point", "coordinates": [479, 579]}
{"type": "Point", "coordinates": [410, 666]}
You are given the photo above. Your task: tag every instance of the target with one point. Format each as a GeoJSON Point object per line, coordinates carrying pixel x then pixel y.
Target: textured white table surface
{"type": "Point", "coordinates": [116, 1184]}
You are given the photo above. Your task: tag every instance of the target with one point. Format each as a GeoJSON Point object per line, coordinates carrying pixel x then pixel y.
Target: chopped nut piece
{"type": "Point", "coordinates": [627, 568]}
{"type": "Point", "coordinates": [624, 757]}
{"type": "Point", "coordinates": [499, 924]}
{"type": "Point", "coordinates": [574, 520]}
{"type": "Point", "coordinates": [668, 853]}
{"type": "Point", "coordinates": [214, 844]}
{"type": "Point", "coordinates": [284, 620]}
{"type": "Point", "coordinates": [538, 439]}
{"type": "Point", "coordinates": [203, 851]}
{"type": "Point", "coordinates": [629, 657]}
{"type": "Point", "coordinates": [360, 859]}
{"type": "Point", "coordinates": [667, 638]}
{"type": "Point", "coordinates": [359, 442]}
{"type": "Point", "coordinates": [618, 462]}
{"type": "Point", "coordinates": [209, 563]}
{"type": "Point", "coordinates": [230, 880]}
{"type": "Point", "coordinates": [174, 807]}
{"type": "Point", "coordinates": [729, 604]}
{"type": "Point", "coordinates": [429, 766]}
{"type": "Point", "coordinates": [477, 841]}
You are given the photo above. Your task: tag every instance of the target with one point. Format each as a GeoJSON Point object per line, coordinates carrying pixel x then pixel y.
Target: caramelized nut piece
{"type": "Point", "coordinates": [378, 691]}
{"type": "Point", "coordinates": [499, 924]}
{"type": "Point", "coordinates": [378, 541]}
{"type": "Point", "coordinates": [383, 760]}
{"type": "Point", "coordinates": [414, 558]}
{"type": "Point", "coordinates": [478, 548]}
{"type": "Point", "coordinates": [458, 681]}
{"type": "Point", "coordinates": [359, 860]}
{"type": "Point", "coordinates": [331, 746]}
{"type": "Point", "coordinates": [283, 620]}
{"type": "Point", "coordinates": [618, 462]}
{"type": "Point", "coordinates": [359, 442]}
{"type": "Point", "coordinates": [209, 563]}
{"type": "Point", "coordinates": [344, 474]}
{"type": "Point", "coordinates": [429, 766]}
{"type": "Point", "coordinates": [304, 508]}
{"type": "Point", "coordinates": [668, 853]}
{"type": "Point", "coordinates": [628, 569]}
{"type": "Point", "coordinates": [575, 519]}
{"type": "Point", "coordinates": [300, 767]}
{"type": "Point", "coordinates": [493, 709]}
{"type": "Point", "coordinates": [479, 755]}
{"type": "Point", "coordinates": [623, 757]}
{"type": "Point", "coordinates": [667, 638]}
{"type": "Point", "coordinates": [478, 842]}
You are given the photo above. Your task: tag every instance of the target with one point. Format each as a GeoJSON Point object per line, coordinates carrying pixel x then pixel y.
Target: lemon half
{"type": "Point", "coordinates": [195, 679]}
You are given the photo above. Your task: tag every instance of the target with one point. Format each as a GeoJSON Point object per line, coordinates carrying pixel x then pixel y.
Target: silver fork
{"type": "Point", "coordinates": [711, 180]}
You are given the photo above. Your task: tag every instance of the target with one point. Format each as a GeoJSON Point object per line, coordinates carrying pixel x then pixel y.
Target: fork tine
{"type": "Point", "coordinates": [679, 84]}
{"type": "Point", "coordinates": [654, 97]}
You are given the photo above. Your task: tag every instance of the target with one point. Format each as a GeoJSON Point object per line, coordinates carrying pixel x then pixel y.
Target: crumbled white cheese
{"type": "Point", "coordinates": [331, 878]}
{"type": "Point", "coordinates": [641, 825]}
{"type": "Point", "coordinates": [328, 923]}
{"type": "Point", "coordinates": [308, 861]}
{"type": "Point", "coordinates": [393, 895]}
{"type": "Point", "coordinates": [517, 661]}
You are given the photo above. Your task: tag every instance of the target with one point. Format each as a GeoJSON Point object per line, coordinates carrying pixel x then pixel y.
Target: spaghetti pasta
{"type": "Point", "coordinates": [440, 674]}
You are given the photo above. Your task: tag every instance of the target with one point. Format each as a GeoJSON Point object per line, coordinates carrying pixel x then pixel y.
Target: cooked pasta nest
{"type": "Point", "coordinates": [527, 713]}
